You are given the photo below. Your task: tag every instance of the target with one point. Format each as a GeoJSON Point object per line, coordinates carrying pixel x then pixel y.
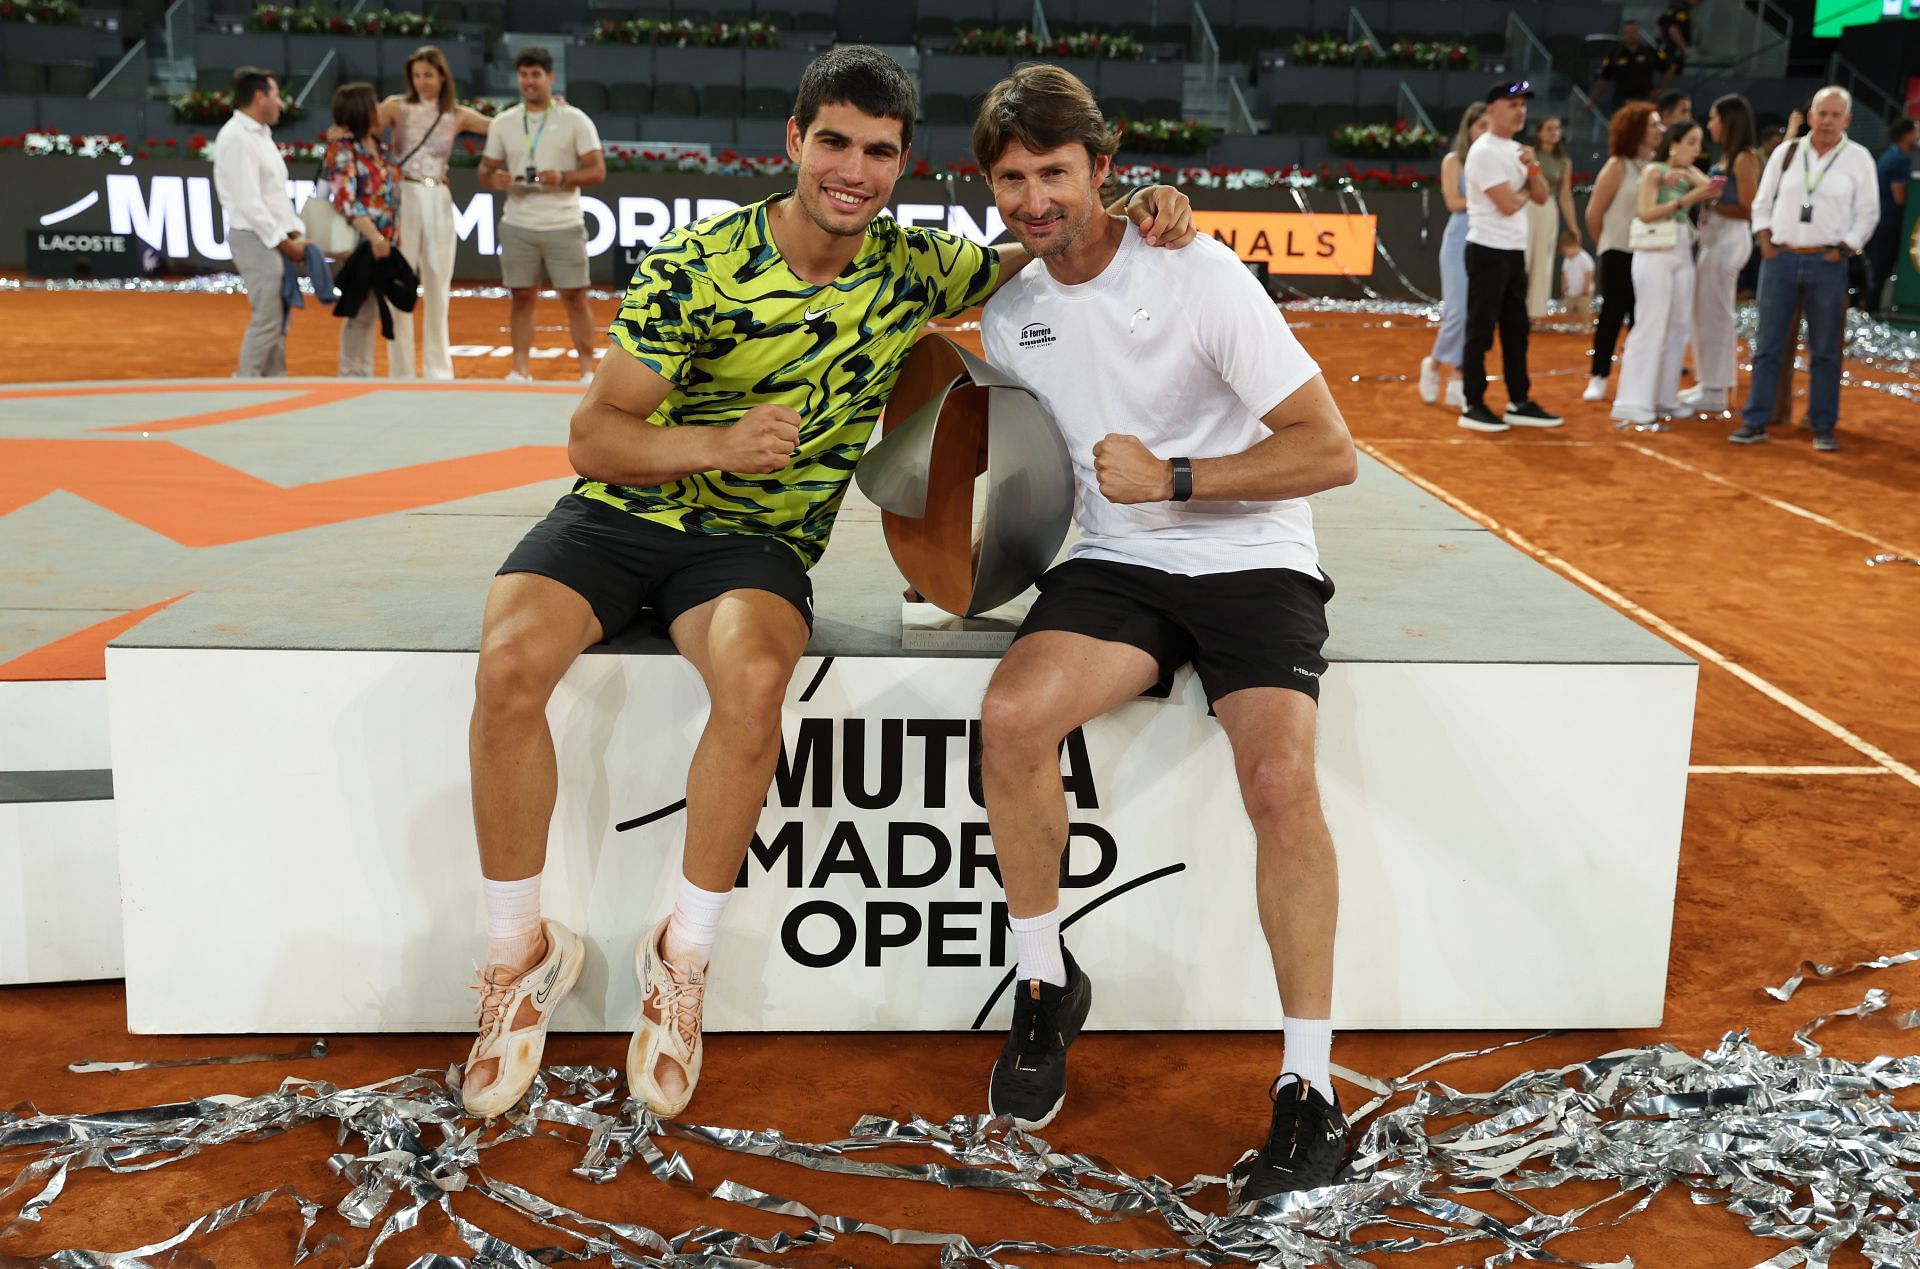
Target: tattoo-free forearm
{"type": "Point", "coordinates": [1293, 462]}
{"type": "Point", "coordinates": [611, 445]}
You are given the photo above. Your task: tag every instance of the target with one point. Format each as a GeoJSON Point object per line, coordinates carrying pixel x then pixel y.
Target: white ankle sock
{"type": "Point", "coordinates": [1036, 941]}
{"type": "Point", "coordinates": [513, 916]}
{"type": "Point", "coordinates": [696, 919]}
{"type": "Point", "coordinates": [1309, 1047]}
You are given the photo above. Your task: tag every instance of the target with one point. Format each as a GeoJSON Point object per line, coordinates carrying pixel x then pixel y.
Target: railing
{"type": "Point", "coordinates": [1772, 36]}
{"type": "Point", "coordinates": [1239, 114]}
{"type": "Point", "coordinates": [1205, 46]}
{"type": "Point", "coordinates": [1873, 106]}
{"type": "Point", "coordinates": [135, 88]}
{"type": "Point", "coordinates": [1585, 122]}
{"type": "Point", "coordinates": [1527, 57]}
{"type": "Point", "coordinates": [1038, 25]}
{"type": "Point", "coordinates": [177, 27]}
{"type": "Point", "coordinates": [313, 80]}
{"type": "Point", "coordinates": [1358, 32]}
{"type": "Point", "coordinates": [1408, 107]}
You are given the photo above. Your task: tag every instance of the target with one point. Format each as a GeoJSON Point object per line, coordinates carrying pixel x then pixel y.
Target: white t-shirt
{"type": "Point", "coordinates": [1491, 161]}
{"type": "Point", "coordinates": [1184, 350]}
{"type": "Point", "coordinates": [558, 145]}
{"type": "Point", "coordinates": [1576, 272]}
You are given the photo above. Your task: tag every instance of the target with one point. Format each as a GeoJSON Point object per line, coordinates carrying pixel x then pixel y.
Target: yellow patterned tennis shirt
{"type": "Point", "coordinates": [715, 310]}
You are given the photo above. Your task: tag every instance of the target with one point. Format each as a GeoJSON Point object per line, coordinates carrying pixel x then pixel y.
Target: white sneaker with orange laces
{"type": "Point", "coordinates": [513, 1014]}
{"type": "Point", "coordinates": [663, 1059]}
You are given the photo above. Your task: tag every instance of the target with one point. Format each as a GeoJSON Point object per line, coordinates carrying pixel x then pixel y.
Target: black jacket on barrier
{"type": "Point", "coordinates": [391, 281]}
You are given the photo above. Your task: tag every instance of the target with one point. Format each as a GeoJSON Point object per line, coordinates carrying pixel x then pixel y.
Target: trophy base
{"type": "Point", "coordinates": [928, 627]}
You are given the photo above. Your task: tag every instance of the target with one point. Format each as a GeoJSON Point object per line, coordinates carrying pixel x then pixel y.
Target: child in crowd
{"type": "Point", "coordinates": [1576, 276]}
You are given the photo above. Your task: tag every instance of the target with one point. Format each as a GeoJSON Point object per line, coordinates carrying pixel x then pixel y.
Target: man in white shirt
{"type": "Point", "coordinates": [541, 153]}
{"type": "Point", "coordinates": [1502, 176]}
{"type": "Point", "coordinates": [250, 178]}
{"type": "Point", "coordinates": [1197, 427]}
{"type": "Point", "coordinates": [1818, 201]}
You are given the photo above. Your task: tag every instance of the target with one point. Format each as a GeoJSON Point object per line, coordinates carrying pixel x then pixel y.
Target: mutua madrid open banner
{"type": "Point", "coordinates": [171, 208]}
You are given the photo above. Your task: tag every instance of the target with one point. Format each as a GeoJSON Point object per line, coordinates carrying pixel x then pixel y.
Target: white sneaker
{"type": "Point", "coordinates": [1704, 400]}
{"type": "Point", "coordinates": [513, 1013]}
{"type": "Point", "coordinates": [667, 1039]}
{"type": "Point", "coordinates": [1429, 381]}
{"type": "Point", "coordinates": [1456, 394]}
{"type": "Point", "coordinates": [586, 376]}
{"type": "Point", "coordinates": [514, 376]}
{"type": "Point", "coordinates": [1596, 389]}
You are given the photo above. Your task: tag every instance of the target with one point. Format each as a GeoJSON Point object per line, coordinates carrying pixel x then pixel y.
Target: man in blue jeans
{"type": "Point", "coordinates": [1817, 204]}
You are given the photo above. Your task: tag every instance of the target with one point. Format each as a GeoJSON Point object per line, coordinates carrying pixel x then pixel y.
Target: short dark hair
{"type": "Point", "coordinates": [1669, 100]}
{"type": "Point", "coordinates": [534, 55]}
{"type": "Point", "coordinates": [1674, 135]}
{"type": "Point", "coordinates": [860, 76]}
{"type": "Point", "coordinates": [249, 82]}
{"type": "Point", "coordinates": [1041, 107]}
{"type": "Point", "coordinates": [1902, 128]}
{"type": "Point", "coordinates": [354, 108]}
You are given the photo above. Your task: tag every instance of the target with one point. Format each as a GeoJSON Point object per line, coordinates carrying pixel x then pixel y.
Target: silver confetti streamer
{"type": "Point", "coordinates": [318, 1049]}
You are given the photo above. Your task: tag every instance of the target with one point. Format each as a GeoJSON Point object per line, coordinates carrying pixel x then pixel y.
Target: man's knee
{"type": "Point", "coordinates": [516, 675]}
{"type": "Point", "coordinates": [1014, 724]}
{"type": "Point", "coordinates": [522, 299]}
{"type": "Point", "coordinates": [1279, 788]}
{"type": "Point", "coordinates": [748, 693]}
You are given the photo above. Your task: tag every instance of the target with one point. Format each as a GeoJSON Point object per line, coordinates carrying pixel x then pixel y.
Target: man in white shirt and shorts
{"type": "Point", "coordinates": [1197, 426]}
{"type": "Point", "coordinates": [541, 154]}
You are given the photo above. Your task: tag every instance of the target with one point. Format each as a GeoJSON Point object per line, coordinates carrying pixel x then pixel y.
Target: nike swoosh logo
{"type": "Point", "coordinates": [815, 315]}
{"type": "Point", "coordinates": [540, 997]}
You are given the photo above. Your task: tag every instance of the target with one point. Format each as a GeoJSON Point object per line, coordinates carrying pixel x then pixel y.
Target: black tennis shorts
{"type": "Point", "coordinates": [624, 565]}
{"type": "Point", "coordinates": [1257, 628]}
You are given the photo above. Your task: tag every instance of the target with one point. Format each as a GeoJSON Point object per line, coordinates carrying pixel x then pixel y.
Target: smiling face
{"type": "Point", "coordinates": [1048, 199]}
{"type": "Point", "coordinates": [536, 86]}
{"type": "Point", "coordinates": [848, 161]}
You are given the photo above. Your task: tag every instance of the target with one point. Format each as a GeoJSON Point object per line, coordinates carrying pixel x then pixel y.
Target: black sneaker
{"type": "Point", "coordinates": [1530, 414]}
{"type": "Point", "coordinates": [1306, 1147]}
{"type": "Point", "coordinates": [1030, 1079]}
{"type": "Point", "coordinates": [1749, 436]}
{"type": "Point", "coordinates": [1478, 418]}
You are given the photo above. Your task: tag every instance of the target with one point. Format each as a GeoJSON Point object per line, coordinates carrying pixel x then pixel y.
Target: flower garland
{"type": "Point", "coordinates": [41, 12]}
{"type": "Point", "coordinates": [730, 163]}
{"type": "Point", "coordinates": [1000, 42]}
{"type": "Point", "coordinates": [1396, 140]}
{"type": "Point", "coordinates": [1326, 50]}
{"type": "Point", "coordinates": [204, 106]}
{"type": "Point", "coordinates": [315, 20]}
{"type": "Point", "coordinates": [686, 33]}
{"type": "Point", "coordinates": [1164, 136]}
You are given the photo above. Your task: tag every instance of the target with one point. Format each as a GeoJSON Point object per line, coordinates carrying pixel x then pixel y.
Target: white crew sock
{"type": "Point", "coordinates": [1036, 941]}
{"type": "Point", "coordinates": [513, 919]}
{"type": "Point", "coordinates": [1309, 1047]}
{"type": "Point", "coordinates": [696, 919]}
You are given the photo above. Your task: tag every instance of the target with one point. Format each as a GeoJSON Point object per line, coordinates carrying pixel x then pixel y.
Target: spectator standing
{"type": "Point", "coordinates": [1632, 69]}
{"type": "Point", "coordinates": [1632, 136]}
{"type": "Point", "coordinates": [1726, 242]}
{"type": "Point", "coordinates": [1502, 176]}
{"type": "Point", "coordinates": [1895, 170]}
{"type": "Point", "coordinates": [1662, 280]}
{"type": "Point", "coordinates": [1674, 107]}
{"type": "Point", "coordinates": [1816, 205]}
{"type": "Point", "coordinates": [1576, 275]}
{"type": "Point", "coordinates": [423, 124]}
{"type": "Point", "coordinates": [362, 186]}
{"type": "Point", "coordinates": [250, 178]}
{"type": "Point", "coordinates": [541, 153]}
{"type": "Point", "coordinates": [1674, 26]}
{"type": "Point", "coordinates": [1449, 340]}
{"type": "Point", "coordinates": [1544, 220]}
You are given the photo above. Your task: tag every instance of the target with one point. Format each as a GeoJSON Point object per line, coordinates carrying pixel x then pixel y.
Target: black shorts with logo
{"type": "Point", "coordinates": [622, 564]}
{"type": "Point", "coordinates": [1260, 627]}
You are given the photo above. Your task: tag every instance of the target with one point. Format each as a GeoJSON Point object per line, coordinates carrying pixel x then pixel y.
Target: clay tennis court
{"type": "Point", "coordinates": [1799, 842]}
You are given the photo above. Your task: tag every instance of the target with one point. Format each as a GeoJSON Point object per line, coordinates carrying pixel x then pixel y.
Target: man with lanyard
{"type": "Point", "coordinates": [1817, 204]}
{"type": "Point", "coordinates": [1631, 68]}
{"type": "Point", "coordinates": [542, 168]}
{"type": "Point", "coordinates": [751, 358]}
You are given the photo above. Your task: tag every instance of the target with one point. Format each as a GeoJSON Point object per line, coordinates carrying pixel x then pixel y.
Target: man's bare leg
{"type": "Point", "coordinates": [520, 325]}
{"type": "Point", "coordinates": [580, 325]}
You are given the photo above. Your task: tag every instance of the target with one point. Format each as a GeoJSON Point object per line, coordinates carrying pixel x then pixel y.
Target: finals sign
{"type": "Point", "coordinates": [1295, 242]}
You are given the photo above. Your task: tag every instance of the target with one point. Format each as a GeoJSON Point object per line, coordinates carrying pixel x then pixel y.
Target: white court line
{"type": "Point", "coordinates": [1788, 507]}
{"type": "Point", "coordinates": [1803, 771]}
{"type": "Point", "coordinates": [1864, 747]}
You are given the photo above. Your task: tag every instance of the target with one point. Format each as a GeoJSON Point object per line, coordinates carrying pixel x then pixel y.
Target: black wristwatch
{"type": "Point", "coordinates": [1182, 479]}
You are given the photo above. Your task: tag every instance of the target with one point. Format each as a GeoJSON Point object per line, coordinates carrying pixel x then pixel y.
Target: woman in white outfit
{"type": "Point", "coordinates": [1726, 240]}
{"type": "Point", "coordinates": [1450, 340]}
{"type": "Point", "coordinates": [1545, 220]}
{"type": "Point", "coordinates": [1662, 280]}
{"type": "Point", "coordinates": [424, 123]}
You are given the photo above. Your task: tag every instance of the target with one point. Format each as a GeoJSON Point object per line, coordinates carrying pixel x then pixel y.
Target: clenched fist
{"type": "Point", "coordinates": [764, 440]}
{"type": "Point", "coordinates": [1526, 156]}
{"type": "Point", "coordinates": [1128, 471]}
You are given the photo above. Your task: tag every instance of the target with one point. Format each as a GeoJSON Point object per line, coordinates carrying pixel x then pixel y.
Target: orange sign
{"type": "Point", "coordinates": [1294, 242]}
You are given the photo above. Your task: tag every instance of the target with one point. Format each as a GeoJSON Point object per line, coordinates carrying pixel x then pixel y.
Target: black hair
{"type": "Point", "coordinates": [534, 55]}
{"type": "Point", "coordinates": [860, 76]}
{"type": "Point", "coordinates": [249, 82]}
